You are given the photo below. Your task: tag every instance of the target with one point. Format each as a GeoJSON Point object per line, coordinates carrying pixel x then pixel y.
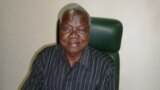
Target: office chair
{"type": "Point", "coordinates": [105, 35]}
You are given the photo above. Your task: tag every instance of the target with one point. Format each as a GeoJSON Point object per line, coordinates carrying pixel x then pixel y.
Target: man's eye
{"type": "Point", "coordinates": [67, 29]}
{"type": "Point", "coordinates": [83, 31]}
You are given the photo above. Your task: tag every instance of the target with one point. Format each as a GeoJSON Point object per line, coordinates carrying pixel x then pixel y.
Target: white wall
{"type": "Point", "coordinates": [26, 25]}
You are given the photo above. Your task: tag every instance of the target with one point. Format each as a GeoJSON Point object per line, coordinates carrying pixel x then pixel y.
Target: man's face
{"type": "Point", "coordinates": [74, 32]}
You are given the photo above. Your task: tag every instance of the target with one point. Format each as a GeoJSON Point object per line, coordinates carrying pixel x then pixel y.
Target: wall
{"type": "Point", "coordinates": [27, 25]}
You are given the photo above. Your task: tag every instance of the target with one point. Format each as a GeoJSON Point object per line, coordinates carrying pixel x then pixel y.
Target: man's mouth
{"type": "Point", "coordinates": [74, 44]}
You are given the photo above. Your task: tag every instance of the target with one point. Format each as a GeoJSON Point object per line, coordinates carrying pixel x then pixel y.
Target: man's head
{"type": "Point", "coordinates": [74, 29]}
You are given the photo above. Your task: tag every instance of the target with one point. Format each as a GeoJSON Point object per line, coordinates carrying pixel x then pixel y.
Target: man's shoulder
{"type": "Point", "coordinates": [98, 53]}
{"type": "Point", "coordinates": [46, 53]}
{"type": "Point", "coordinates": [101, 56]}
{"type": "Point", "coordinates": [49, 49]}
{"type": "Point", "coordinates": [103, 60]}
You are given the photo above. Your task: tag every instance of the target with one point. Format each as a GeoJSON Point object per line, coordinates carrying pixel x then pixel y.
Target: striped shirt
{"type": "Point", "coordinates": [51, 71]}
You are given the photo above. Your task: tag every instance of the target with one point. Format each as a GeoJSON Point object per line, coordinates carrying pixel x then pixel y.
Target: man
{"type": "Point", "coordinates": [72, 64]}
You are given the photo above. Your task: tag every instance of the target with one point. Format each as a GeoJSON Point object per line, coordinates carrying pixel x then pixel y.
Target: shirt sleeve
{"type": "Point", "coordinates": [108, 80]}
{"type": "Point", "coordinates": [35, 78]}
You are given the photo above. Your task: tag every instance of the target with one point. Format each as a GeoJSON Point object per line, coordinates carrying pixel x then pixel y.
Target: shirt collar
{"type": "Point", "coordinates": [84, 59]}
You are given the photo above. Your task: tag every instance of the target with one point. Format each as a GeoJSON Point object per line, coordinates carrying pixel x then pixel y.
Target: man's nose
{"type": "Point", "coordinates": [74, 34]}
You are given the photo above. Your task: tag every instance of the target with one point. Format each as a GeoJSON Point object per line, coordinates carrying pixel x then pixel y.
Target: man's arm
{"type": "Point", "coordinates": [35, 79]}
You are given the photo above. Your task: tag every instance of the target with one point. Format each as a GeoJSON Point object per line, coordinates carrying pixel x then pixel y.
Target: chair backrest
{"type": "Point", "coordinates": [105, 35]}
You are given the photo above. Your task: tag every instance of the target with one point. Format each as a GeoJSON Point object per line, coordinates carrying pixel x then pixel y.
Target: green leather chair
{"type": "Point", "coordinates": [105, 35]}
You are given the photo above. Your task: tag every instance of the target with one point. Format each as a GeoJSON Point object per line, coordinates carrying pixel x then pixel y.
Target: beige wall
{"type": "Point", "coordinates": [26, 25]}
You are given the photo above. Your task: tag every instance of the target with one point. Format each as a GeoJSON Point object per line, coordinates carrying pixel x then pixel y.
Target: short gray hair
{"type": "Point", "coordinates": [70, 7]}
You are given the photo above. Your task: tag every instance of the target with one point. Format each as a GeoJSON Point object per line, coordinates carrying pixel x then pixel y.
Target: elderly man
{"type": "Point", "coordinates": [72, 64]}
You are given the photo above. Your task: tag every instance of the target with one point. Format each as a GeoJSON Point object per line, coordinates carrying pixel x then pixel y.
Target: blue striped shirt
{"type": "Point", "coordinates": [51, 71]}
